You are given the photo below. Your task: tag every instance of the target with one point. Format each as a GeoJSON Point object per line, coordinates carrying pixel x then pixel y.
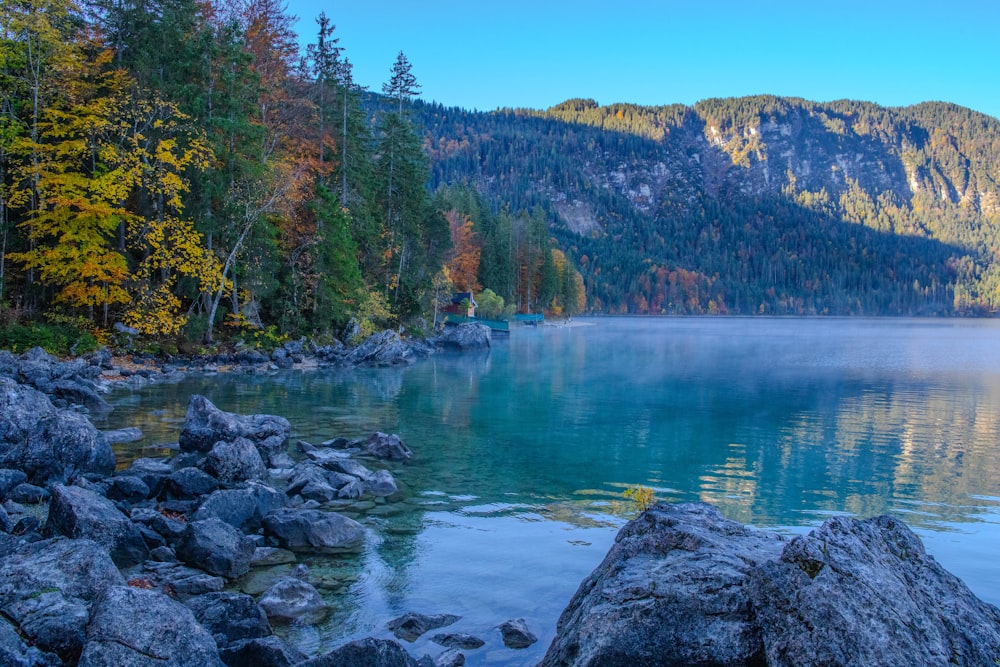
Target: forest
{"type": "Point", "coordinates": [192, 171]}
{"type": "Point", "coordinates": [188, 170]}
{"type": "Point", "coordinates": [756, 205]}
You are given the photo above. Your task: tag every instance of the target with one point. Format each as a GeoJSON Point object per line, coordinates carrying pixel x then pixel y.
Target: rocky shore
{"type": "Point", "coordinates": [140, 565]}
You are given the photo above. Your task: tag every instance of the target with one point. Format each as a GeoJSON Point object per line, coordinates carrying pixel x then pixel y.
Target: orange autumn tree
{"type": "Point", "coordinates": [463, 265]}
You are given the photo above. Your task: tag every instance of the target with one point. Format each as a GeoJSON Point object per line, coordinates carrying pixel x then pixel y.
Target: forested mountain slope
{"type": "Point", "coordinates": [757, 205]}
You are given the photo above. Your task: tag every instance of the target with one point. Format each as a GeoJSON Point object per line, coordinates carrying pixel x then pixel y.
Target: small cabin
{"type": "Point", "coordinates": [456, 308]}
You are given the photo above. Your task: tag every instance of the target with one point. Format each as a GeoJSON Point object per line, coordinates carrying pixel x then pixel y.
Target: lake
{"type": "Point", "coordinates": [521, 455]}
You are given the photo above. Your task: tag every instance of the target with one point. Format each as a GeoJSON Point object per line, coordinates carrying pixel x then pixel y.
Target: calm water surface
{"type": "Point", "coordinates": [521, 455]}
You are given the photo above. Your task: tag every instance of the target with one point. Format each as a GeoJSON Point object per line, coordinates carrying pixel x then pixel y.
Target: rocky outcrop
{"type": "Point", "coordinates": [65, 382]}
{"type": "Point", "coordinates": [683, 585]}
{"type": "Point", "coordinates": [205, 425]}
{"type": "Point", "coordinates": [466, 337]}
{"type": "Point", "coordinates": [47, 443]}
{"type": "Point", "coordinates": [384, 348]}
{"type": "Point", "coordinates": [79, 513]}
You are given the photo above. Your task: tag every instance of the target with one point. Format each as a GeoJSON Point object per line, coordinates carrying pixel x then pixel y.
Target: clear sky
{"type": "Point", "coordinates": [479, 54]}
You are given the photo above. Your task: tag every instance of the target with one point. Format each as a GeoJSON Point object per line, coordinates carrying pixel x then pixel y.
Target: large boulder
{"type": "Point", "coordinates": [314, 530]}
{"type": "Point", "coordinates": [141, 628]}
{"type": "Point", "coordinates": [80, 513]}
{"type": "Point", "coordinates": [46, 443]}
{"type": "Point", "coordinates": [14, 652]}
{"type": "Point", "coordinates": [230, 617]}
{"type": "Point", "coordinates": [469, 336]}
{"type": "Point", "coordinates": [683, 585]}
{"type": "Point", "coordinates": [205, 425]}
{"type": "Point", "coordinates": [243, 508]}
{"type": "Point", "coordinates": [866, 593]}
{"type": "Point", "coordinates": [216, 547]}
{"type": "Point", "coordinates": [234, 462]}
{"type": "Point", "coordinates": [384, 348]}
{"type": "Point", "coordinates": [50, 587]}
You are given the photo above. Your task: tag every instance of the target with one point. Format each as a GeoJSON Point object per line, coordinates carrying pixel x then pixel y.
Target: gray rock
{"type": "Point", "coordinates": [385, 446]}
{"type": "Point", "coordinates": [267, 556]}
{"type": "Point", "coordinates": [865, 593]}
{"type": "Point", "coordinates": [46, 443]}
{"type": "Point", "coordinates": [140, 628]}
{"type": "Point", "coordinates": [352, 490]}
{"type": "Point", "coordinates": [261, 652]}
{"type": "Point", "coordinates": [130, 488]}
{"type": "Point", "coordinates": [516, 634]}
{"type": "Point", "coordinates": [206, 425]}
{"type": "Point", "coordinates": [314, 530]}
{"type": "Point", "coordinates": [464, 337]}
{"type": "Point", "coordinates": [243, 508]}
{"type": "Point", "coordinates": [411, 625]}
{"type": "Point", "coordinates": [682, 585]}
{"type": "Point", "coordinates": [28, 494]}
{"type": "Point", "coordinates": [368, 652]}
{"type": "Point", "coordinates": [347, 466]}
{"type": "Point", "coordinates": [215, 547]}
{"type": "Point", "coordinates": [49, 587]}
{"type": "Point", "coordinates": [78, 513]}
{"type": "Point", "coordinates": [5, 523]}
{"type": "Point", "coordinates": [381, 484]}
{"type": "Point", "coordinates": [153, 472]}
{"type": "Point", "coordinates": [457, 640]}
{"type": "Point", "coordinates": [180, 581]}
{"type": "Point", "coordinates": [236, 461]}
{"type": "Point", "coordinates": [291, 599]}
{"type": "Point", "coordinates": [384, 348]}
{"type": "Point", "coordinates": [15, 653]}
{"type": "Point", "coordinates": [672, 586]}
{"type": "Point", "coordinates": [190, 483]}
{"type": "Point", "coordinates": [450, 658]}
{"type": "Point", "coordinates": [230, 617]}
{"type": "Point", "coordinates": [9, 479]}
{"type": "Point", "coordinates": [78, 391]}
{"type": "Point", "coordinates": [170, 528]}
{"type": "Point", "coordinates": [123, 435]}
{"type": "Point", "coordinates": [311, 482]}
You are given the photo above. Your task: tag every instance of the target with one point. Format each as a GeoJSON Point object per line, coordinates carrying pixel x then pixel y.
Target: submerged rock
{"type": "Point", "coordinates": [411, 625]}
{"type": "Point", "coordinates": [683, 585]}
{"type": "Point", "coordinates": [291, 599]}
{"type": "Point", "coordinates": [516, 634]}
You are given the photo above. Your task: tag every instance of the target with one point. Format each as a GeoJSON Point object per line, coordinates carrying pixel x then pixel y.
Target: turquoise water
{"type": "Point", "coordinates": [521, 455]}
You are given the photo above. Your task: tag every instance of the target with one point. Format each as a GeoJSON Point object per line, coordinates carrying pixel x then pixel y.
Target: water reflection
{"type": "Point", "coordinates": [522, 455]}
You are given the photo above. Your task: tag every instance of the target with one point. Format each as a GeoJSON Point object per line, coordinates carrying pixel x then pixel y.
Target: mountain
{"type": "Point", "coordinates": [754, 205]}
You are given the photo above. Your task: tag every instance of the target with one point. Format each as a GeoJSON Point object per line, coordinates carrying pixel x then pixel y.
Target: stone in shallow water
{"type": "Point", "coordinates": [516, 634]}
{"type": "Point", "coordinates": [411, 625]}
{"type": "Point", "coordinates": [291, 599]}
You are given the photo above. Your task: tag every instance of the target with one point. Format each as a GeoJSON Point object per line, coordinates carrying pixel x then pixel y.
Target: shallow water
{"type": "Point", "coordinates": [521, 455]}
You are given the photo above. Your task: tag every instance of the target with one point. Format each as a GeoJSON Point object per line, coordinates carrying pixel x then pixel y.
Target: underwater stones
{"type": "Point", "coordinates": [291, 599]}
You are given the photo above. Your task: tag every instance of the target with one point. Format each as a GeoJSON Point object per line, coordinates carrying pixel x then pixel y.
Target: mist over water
{"type": "Point", "coordinates": [521, 455]}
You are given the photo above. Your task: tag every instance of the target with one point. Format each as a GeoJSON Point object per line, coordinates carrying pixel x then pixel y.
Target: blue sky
{"type": "Point", "coordinates": [521, 53]}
